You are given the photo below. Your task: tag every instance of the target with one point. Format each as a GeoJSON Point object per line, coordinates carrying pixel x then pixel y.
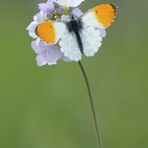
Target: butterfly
{"type": "Point", "coordinates": [80, 35]}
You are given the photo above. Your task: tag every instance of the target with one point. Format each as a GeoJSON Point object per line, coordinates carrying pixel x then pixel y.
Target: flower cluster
{"type": "Point", "coordinates": [53, 10]}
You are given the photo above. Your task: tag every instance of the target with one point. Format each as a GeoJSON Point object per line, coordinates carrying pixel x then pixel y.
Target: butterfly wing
{"type": "Point", "coordinates": [69, 46]}
{"type": "Point", "coordinates": [95, 22]}
{"type": "Point", "coordinates": [100, 16]}
{"type": "Point", "coordinates": [50, 31]}
{"type": "Point", "coordinates": [91, 39]}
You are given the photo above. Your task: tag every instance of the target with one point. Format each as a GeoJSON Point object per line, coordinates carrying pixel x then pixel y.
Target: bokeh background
{"type": "Point", "coordinates": [48, 107]}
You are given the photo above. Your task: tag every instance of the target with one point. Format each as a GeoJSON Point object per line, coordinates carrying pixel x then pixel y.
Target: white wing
{"type": "Point", "coordinates": [95, 21]}
{"type": "Point", "coordinates": [69, 46]}
{"type": "Point", "coordinates": [91, 39]}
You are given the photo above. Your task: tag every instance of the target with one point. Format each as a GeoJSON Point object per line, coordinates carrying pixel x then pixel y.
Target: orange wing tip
{"type": "Point", "coordinates": [105, 14]}
{"type": "Point", "coordinates": [46, 31]}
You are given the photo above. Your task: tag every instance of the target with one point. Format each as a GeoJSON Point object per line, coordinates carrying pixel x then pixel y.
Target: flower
{"type": "Point", "coordinates": [47, 7]}
{"type": "Point", "coordinates": [47, 54]}
{"type": "Point", "coordinates": [102, 32]}
{"type": "Point", "coordinates": [65, 18]}
{"type": "Point", "coordinates": [77, 12]}
{"type": "Point", "coordinates": [69, 3]}
{"type": "Point", "coordinates": [50, 54]}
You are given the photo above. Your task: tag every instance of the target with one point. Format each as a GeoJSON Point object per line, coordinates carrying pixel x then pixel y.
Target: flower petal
{"type": "Point", "coordinates": [66, 59]}
{"type": "Point", "coordinates": [50, 1]}
{"type": "Point", "coordinates": [31, 29]}
{"type": "Point", "coordinates": [75, 3]}
{"type": "Point", "coordinates": [41, 59]}
{"type": "Point", "coordinates": [65, 18]}
{"type": "Point", "coordinates": [51, 4]}
{"type": "Point", "coordinates": [77, 12]}
{"type": "Point", "coordinates": [38, 47]}
{"type": "Point", "coordinates": [69, 3]}
{"type": "Point", "coordinates": [53, 54]}
{"type": "Point", "coordinates": [60, 2]}
{"type": "Point", "coordinates": [40, 17]}
{"type": "Point", "coordinates": [102, 32]}
{"type": "Point", "coordinates": [47, 7]}
{"type": "Point", "coordinates": [59, 10]}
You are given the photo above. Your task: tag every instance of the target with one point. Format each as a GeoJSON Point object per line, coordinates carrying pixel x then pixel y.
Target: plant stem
{"type": "Point", "coordinates": [92, 106]}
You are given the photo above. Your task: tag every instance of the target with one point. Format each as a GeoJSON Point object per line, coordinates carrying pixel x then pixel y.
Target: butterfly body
{"type": "Point", "coordinates": [79, 36]}
{"type": "Point", "coordinates": [76, 26]}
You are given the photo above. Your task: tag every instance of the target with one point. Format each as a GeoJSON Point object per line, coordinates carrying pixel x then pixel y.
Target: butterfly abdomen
{"type": "Point", "coordinates": [76, 26]}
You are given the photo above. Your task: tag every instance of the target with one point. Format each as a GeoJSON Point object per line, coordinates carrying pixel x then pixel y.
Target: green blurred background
{"type": "Point", "coordinates": [48, 107]}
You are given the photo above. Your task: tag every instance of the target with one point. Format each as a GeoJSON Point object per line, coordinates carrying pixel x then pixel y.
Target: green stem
{"type": "Point", "coordinates": [92, 106]}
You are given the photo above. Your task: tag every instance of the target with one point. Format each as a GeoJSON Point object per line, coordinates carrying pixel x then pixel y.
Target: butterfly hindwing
{"type": "Point", "coordinates": [69, 46]}
{"type": "Point", "coordinates": [95, 21]}
{"type": "Point", "coordinates": [91, 39]}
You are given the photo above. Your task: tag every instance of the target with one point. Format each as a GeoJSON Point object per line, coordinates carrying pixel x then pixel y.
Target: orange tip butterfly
{"type": "Point", "coordinates": [79, 36]}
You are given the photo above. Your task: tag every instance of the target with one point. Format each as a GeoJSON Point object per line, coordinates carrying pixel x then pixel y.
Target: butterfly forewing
{"type": "Point", "coordinates": [50, 31]}
{"type": "Point", "coordinates": [91, 39]}
{"type": "Point", "coordinates": [100, 16]}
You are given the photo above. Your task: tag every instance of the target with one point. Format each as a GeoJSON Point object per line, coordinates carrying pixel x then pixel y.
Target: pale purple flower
{"type": "Point", "coordinates": [40, 17]}
{"type": "Point", "coordinates": [59, 10]}
{"type": "Point", "coordinates": [47, 7]}
{"type": "Point", "coordinates": [102, 32]}
{"type": "Point", "coordinates": [65, 18]}
{"type": "Point", "coordinates": [47, 54]}
{"type": "Point", "coordinates": [77, 12]}
{"type": "Point", "coordinates": [69, 3]}
{"type": "Point", "coordinates": [31, 29]}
